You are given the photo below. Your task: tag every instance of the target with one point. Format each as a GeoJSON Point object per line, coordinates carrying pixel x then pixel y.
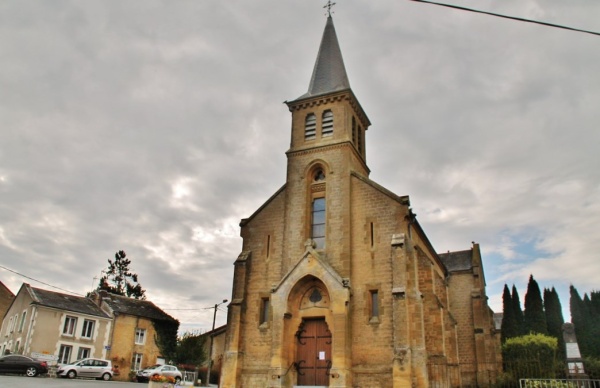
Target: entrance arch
{"type": "Point", "coordinates": [311, 301]}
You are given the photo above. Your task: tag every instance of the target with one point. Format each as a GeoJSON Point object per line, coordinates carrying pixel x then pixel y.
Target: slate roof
{"type": "Point", "coordinates": [457, 261]}
{"type": "Point", "coordinates": [77, 304]}
{"type": "Point", "coordinates": [139, 308]}
{"type": "Point", "coordinates": [329, 74]}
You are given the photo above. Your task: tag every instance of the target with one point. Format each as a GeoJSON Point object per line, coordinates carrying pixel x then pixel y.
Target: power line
{"type": "Point", "coordinates": [39, 281]}
{"type": "Point", "coordinates": [508, 17]}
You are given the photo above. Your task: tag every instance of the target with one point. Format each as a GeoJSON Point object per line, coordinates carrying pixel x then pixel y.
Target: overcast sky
{"type": "Point", "coordinates": [155, 126]}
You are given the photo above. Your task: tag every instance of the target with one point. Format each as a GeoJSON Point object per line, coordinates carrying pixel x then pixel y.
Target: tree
{"type": "Point", "coordinates": [190, 350]}
{"type": "Point", "coordinates": [510, 327]}
{"type": "Point", "coordinates": [554, 318]}
{"type": "Point", "coordinates": [516, 302]}
{"type": "Point", "coordinates": [534, 316]}
{"type": "Point", "coordinates": [120, 280]}
{"type": "Point", "coordinates": [581, 319]}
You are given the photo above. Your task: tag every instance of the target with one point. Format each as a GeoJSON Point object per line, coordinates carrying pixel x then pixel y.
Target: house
{"type": "Point", "coordinates": [218, 336]}
{"type": "Point", "coordinates": [6, 298]}
{"type": "Point", "coordinates": [60, 328]}
{"type": "Point", "coordinates": [337, 283]}
{"type": "Point", "coordinates": [137, 326]}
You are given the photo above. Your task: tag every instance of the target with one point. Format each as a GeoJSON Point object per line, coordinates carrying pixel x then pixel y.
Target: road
{"type": "Point", "coordinates": [9, 381]}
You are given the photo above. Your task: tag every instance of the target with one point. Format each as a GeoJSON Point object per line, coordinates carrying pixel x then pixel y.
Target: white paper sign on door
{"type": "Point", "coordinates": [321, 355]}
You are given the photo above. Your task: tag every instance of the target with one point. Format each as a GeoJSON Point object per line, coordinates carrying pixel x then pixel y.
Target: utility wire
{"type": "Point", "coordinates": [39, 281]}
{"type": "Point", "coordinates": [508, 17]}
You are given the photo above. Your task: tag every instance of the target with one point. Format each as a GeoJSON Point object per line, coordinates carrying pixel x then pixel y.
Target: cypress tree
{"type": "Point", "coordinates": [581, 319]}
{"type": "Point", "coordinates": [516, 302]}
{"type": "Point", "coordinates": [534, 317]}
{"type": "Point", "coordinates": [510, 327]}
{"type": "Point", "coordinates": [554, 318]}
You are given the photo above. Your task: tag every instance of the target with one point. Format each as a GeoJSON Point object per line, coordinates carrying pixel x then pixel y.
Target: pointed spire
{"type": "Point", "coordinates": [329, 74]}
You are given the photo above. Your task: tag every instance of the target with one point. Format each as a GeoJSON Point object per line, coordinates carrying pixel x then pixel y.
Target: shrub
{"type": "Point", "coordinates": [530, 356]}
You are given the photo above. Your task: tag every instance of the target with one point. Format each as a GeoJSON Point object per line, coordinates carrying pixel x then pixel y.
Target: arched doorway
{"type": "Point", "coordinates": [313, 352]}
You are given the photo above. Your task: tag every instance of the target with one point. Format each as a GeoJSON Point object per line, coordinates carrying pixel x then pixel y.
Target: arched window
{"type": "Point", "coordinates": [310, 127]}
{"type": "Point", "coordinates": [327, 123]}
{"type": "Point", "coordinates": [317, 233]}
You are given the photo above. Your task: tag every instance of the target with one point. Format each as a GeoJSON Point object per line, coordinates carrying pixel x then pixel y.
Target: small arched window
{"type": "Point", "coordinates": [327, 123]}
{"type": "Point", "coordinates": [310, 127]}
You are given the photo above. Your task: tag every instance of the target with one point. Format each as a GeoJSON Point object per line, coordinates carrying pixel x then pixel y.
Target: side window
{"type": "Point", "coordinates": [140, 336]}
{"type": "Point", "coordinates": [310, 127]}
{"type": "Point", "coordinates": [69, 327]}
{"type": "Point", "coordinates": [327, 123]}
{"type": "Point", "coordinates": [22, 321]}
{"type": "Point", "coordinates": [83, 353]}
{"type": "Point", "coordinates": [88, 329]}
{"type": "Point", "coordinates": [264, 310]}
{"type": "Point", "coordinates": [136, 362]}
{"type": "Point", "coordinates": [64, 355]}
{"type": "Point", "coordinates": [374, 305]}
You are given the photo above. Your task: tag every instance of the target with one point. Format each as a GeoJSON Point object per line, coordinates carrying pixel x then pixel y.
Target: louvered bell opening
{"type": "Point", "coordinates": [310, 127]}
{"type": "Point", "coordinates": [327, 123]}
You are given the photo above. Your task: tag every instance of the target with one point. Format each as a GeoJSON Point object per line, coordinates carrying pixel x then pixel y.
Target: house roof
{"type": "Point", "coordinates": [77, 304]}
{"type": "Point", "coordinates": [7, 291]}
{"type": "Point", "coordinates": [140, 308]}
{"type": "Point", "coordinates": [329, 74]}
{"type": "Point", "coordinates": [457, 261]}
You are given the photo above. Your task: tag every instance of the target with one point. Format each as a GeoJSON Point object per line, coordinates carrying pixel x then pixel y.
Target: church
{"type": "Point", "coordinates": [337, 284]}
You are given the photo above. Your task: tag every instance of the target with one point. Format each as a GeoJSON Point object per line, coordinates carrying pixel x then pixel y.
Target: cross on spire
{"type": "Point", "coordinates": [329, 5]}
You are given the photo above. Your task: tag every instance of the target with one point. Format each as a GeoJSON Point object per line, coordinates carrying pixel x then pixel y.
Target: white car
{"type": "Point", "coordinates": [158, 370]}
{"type": "Point", "coordinates": [88, 367]}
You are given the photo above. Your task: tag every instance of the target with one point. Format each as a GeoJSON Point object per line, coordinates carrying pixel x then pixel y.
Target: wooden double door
{"type": "Point", "coordinates": [313, 356]}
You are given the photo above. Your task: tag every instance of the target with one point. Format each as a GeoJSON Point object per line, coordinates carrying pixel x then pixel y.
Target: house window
{"type": "Point", "coordinates": [22, 321]}
{"type": "Point", "coordinates": [264, 310]}
{"type": "Point", "coordinates": [318, 222]}
{"type": "Point", "coordinates": [10, 325]}
{"type": "Point", "coordinates": [374, 305]}
{"type": "Point", "coordinates": [136, 361]}
{"type": "Point", "coordinates": [16, 349]}
{"type": "Point", "coordinates": [16, 320]}
{"type": "Point", "coordinates": [83, 353]}
{"type": "Point", "coordinates": [70, 325]}
{"type": "Point", "coordinates": [140, 336]}
{"type": "Point", "coordinates": [88, 329]}
{"type": "Point", "coordinates": [327, 123]}
{"type": "Point", "coordinates": [310, 127]}
{"type": "Point", "coordinates": [353, 130]}
{"type": "Point", "coordinates": [64, 355]}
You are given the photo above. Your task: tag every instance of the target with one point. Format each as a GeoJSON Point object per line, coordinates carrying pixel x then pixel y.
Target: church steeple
{"type": "Point", "coordinates": [328, 114]}
{"type": "Point", "coordinates": [329, 74]}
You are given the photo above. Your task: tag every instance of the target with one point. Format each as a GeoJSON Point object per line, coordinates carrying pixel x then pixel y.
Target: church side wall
{"type": "Point", "coordinates": [375, 218]}
{"type": "Point", "coordinates": [263, 236]}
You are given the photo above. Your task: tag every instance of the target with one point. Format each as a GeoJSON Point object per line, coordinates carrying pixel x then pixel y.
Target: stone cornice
{"type": "Point", "coordinates": [312, 150]}
{"type": "Point", "coordinates": [345, 95]}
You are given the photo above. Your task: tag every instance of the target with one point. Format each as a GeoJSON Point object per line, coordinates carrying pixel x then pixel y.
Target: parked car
{"type": "Point", "coordinates": [158, 370]}
{"type": "Point", "coordinates": [18, 364]}
{"type": "Point", "coordinates": [88, 367]}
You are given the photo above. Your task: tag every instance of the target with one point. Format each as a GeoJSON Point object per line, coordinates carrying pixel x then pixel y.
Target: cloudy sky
{"type": "Point", "coordinates": [155, 126]}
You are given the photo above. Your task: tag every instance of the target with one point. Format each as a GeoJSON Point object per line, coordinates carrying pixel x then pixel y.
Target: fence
{"type": "Point", "coordinates": [531, 374]}
{"type": "Point", "coordinates": [559, 383]}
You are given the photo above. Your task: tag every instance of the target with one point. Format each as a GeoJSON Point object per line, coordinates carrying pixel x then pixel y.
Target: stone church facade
{"type": "Point", "coordinates": [337, 284]}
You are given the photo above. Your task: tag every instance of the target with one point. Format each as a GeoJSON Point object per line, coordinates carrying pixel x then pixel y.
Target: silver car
{"type": "Point", "coordinates": [159, 370]}
{"type": "Point", "coordinates": [88, 367]}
